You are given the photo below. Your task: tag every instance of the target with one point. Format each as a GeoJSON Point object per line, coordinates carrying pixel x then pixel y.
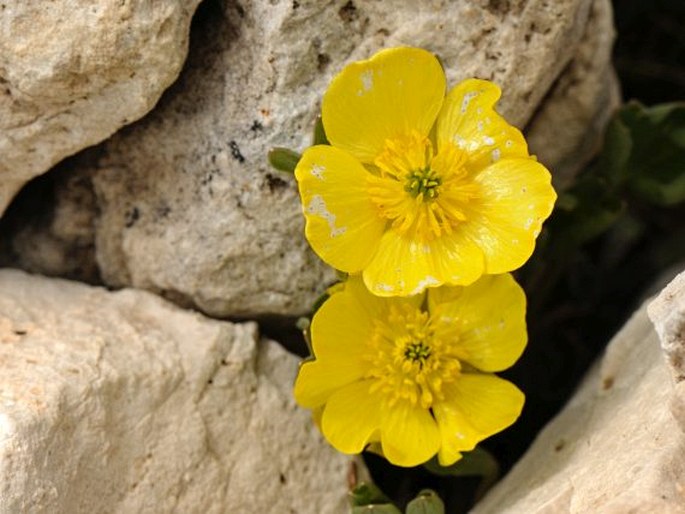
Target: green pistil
{"type": "Point", "coordinates": [423, 182]}
{"type": "Point", "coordinates": [417, 352]}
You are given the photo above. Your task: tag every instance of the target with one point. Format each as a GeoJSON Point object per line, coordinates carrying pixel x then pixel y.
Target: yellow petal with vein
{"type": "Point", "coordinates": [352, 417]}
{"type": "Point", "coordinates": [409, 434]}
{"type": "Point", "coordinates": [475, 407]}
{"type": "Point", "coordinates": [517, 196]}
{"type": "Point", "coordinates": [487, 320]}
{"type": "Point", "coordinates": [403, 266]}
{"type": "Point", "coordinates": [340, 331]}
{"type": "Point", "coordinates": [342, 224]}
{"type": "Point", "coordinates": [389, 95]}
{"type": "Point", "coordinates": [468, 119]}
{"type": "Point", "coordinates": [375, 306]}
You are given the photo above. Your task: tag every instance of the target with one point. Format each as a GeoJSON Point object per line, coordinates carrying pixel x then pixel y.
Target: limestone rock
{"type": "Point", "coordinates": [567, 130]}
{"type": "Point", "coordinates": [72, 72]}
{"type": "Point", "coordinates": [616, 447]}
{"type": "Point", "coordinates": [667, 312]}
{"type": "Point", "coordinates": [120, 402]}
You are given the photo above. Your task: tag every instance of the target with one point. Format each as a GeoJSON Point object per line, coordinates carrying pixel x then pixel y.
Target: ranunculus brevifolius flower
{"type": "Point", "coordinates": [415, 374]}
{"type": "Point", "coordinates": [418, 189]}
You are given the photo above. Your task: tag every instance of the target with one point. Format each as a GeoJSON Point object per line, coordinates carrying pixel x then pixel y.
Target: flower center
{"type": "Point", "coordinates": [422, 193]}
{"type": "Point", "coordinates": [408, 362]}
{"type": "Point", "coordinates": [417, 352]}
{"type": "Point", "coordinates": [423, 182]}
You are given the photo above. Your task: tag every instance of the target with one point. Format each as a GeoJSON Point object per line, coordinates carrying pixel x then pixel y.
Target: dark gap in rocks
{"type": "Point", "coordinates": [404, 484]}
{"type": "Point", "coordinates": [27, 207]}
{"type": "Point", "coordinates": [277, 327]}
{"type": "Point", "coordinates": [650, 49]}
{"type": "Point", "coordinates": [48, 228]}
{"type": "Point", "coordinates": [180, 299]}
{"type": "Point", "coordinates": [213, 29]}
{"type": "Point", "coordinates": [283, 330]}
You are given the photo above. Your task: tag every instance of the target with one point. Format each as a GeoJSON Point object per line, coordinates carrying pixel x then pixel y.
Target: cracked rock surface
{"type": "Point", "coordinates": [619, 445]}
{"type": "Point", "coordinates": [72, 72]}
{"type": "Point", "coordinates": [120, 402]}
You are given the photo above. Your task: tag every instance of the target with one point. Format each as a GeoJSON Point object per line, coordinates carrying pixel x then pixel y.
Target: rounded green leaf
{"type": "Point", "coordinates": [283, 159]}
{"type": "Point", "coordinates": [427, 502]}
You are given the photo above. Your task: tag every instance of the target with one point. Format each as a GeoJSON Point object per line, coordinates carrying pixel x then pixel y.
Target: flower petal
{"type": "Point", "coordinates": [343, 225]}
{"type": "Point", "coordinates": [488, 319]}
{"type": "Point", "coordinates": [403, 266]}
{"type": "Point", "coordinates": [517, 196]}
{"type": "Point", "coordinates": [475, 407]}
{"type": "Point", "coordinates": [352, 417]}
{"type": "Point", "coordinates": [459, 261]}
{"type": "Point", "coordinates": [468, 119]}
{"type": "Point", "coordinates": [392, 93]}
{"type": "Point", "coordinates": [340, 331]}
{"type": "Point", "coordinates": [409, 434]}
{"type": "Point", "coordinates": [344, 320]}
{"type": "Point", "coordinates": [374, 306]}
{"type": "Point", "coordinates": [317, 380]}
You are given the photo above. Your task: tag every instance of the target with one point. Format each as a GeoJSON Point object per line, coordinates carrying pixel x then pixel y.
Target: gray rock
{"type": "Point", "coordinates": [618, 446]}
{"type": "Point", "coordinates": [567, 130]}
{"type": "Point", "coordinates": [72, 72]}
{"type": "Point", "coordinates": [667, 312]}
{"type": "Point", "coordinates": [120, 402]}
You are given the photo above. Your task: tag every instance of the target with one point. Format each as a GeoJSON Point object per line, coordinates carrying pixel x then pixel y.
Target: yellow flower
{"type": "Point", "coordinates": [418, 189]}
{"type": "Point", "coordinates": [415, 373]}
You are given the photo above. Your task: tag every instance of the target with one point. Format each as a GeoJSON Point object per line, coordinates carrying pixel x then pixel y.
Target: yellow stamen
{"type": "Point", "coordinates": [409, 362]}
{"type": "Point", "coordinates": [418, 191]}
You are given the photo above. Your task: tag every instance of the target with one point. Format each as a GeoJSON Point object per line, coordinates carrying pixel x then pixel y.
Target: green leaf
{"type": "Point", "coordinates": [319, 302]}
{"type": "Point", "coordinates": [586, 211]}
{"type": "Point", "coordinates": [566, 202]}
{"type": "Point", "coordinates": [618, 144]}
{"type": "Point", "coordinates": [283, 159]}
{"type": "Point", "coordinates": [655, 170]}
{"type": "Point", "coordinates": [319, 136]}
{"type": "Point", "coordinates": [478, 462]}
{"type": "Point", "coordinates": [427, 502]}
{"type": "Point", "coordinates": [366, 493]}
{"type": "Point", "coordinates": [668, 192]}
